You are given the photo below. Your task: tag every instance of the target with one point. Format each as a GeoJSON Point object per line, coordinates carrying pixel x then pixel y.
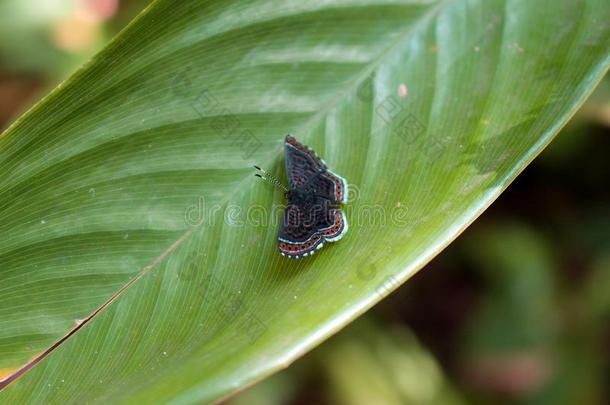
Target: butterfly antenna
{"type": "Point", "coordinates": [270, 178]}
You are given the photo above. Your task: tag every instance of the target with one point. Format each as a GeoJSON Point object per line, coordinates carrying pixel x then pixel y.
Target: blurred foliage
{"type": "Point", "coordinates": [26, 42]}
{"type": "Point", "coordinates": [43, 41]}
{"type": "Point", "coordinates": [517, 310]}
{"type": "Point", "coordinates": [53, 37]}
{"type": "Point", "coordinates": [368, 363]}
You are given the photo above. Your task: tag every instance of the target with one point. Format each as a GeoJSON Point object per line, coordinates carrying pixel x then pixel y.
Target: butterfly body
{"type": "Point", "coordinates": [312, 215]}
{"type": "Point", "coordinates": [302, 197]}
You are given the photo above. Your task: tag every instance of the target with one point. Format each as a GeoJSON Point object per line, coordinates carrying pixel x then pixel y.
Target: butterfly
{"type": "Point", "coordinates": [312, 215]}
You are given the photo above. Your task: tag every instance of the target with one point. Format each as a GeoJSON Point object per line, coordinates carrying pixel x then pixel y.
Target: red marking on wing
{"type": "Point", "coordinates": [308, 151]}
{"type": "Point", "coordinates": [337, 227]}
{"type": "Point", "coordinates": [298, 249]}
{"type": "Point", "coordinates": [339, 189]}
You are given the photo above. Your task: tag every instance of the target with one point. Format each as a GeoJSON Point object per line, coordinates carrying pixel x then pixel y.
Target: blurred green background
{"type": "Point", "coordinates": [517, 310]}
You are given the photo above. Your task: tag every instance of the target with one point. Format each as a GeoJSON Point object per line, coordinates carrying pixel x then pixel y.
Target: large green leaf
{"type": "Point", "coordinates": [428, 108]}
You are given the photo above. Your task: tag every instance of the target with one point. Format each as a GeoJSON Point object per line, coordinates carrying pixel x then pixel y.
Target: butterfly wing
{"type": "Point", "coordinates": [306, 170]}
{"type": "Point", "coordinates": [305, 229]}
{"type": "Point", "coordinates": [331, 186]}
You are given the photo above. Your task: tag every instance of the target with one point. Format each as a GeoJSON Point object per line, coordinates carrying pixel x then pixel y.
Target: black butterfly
{"type": "Point", "coordinates": [312, 216]}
